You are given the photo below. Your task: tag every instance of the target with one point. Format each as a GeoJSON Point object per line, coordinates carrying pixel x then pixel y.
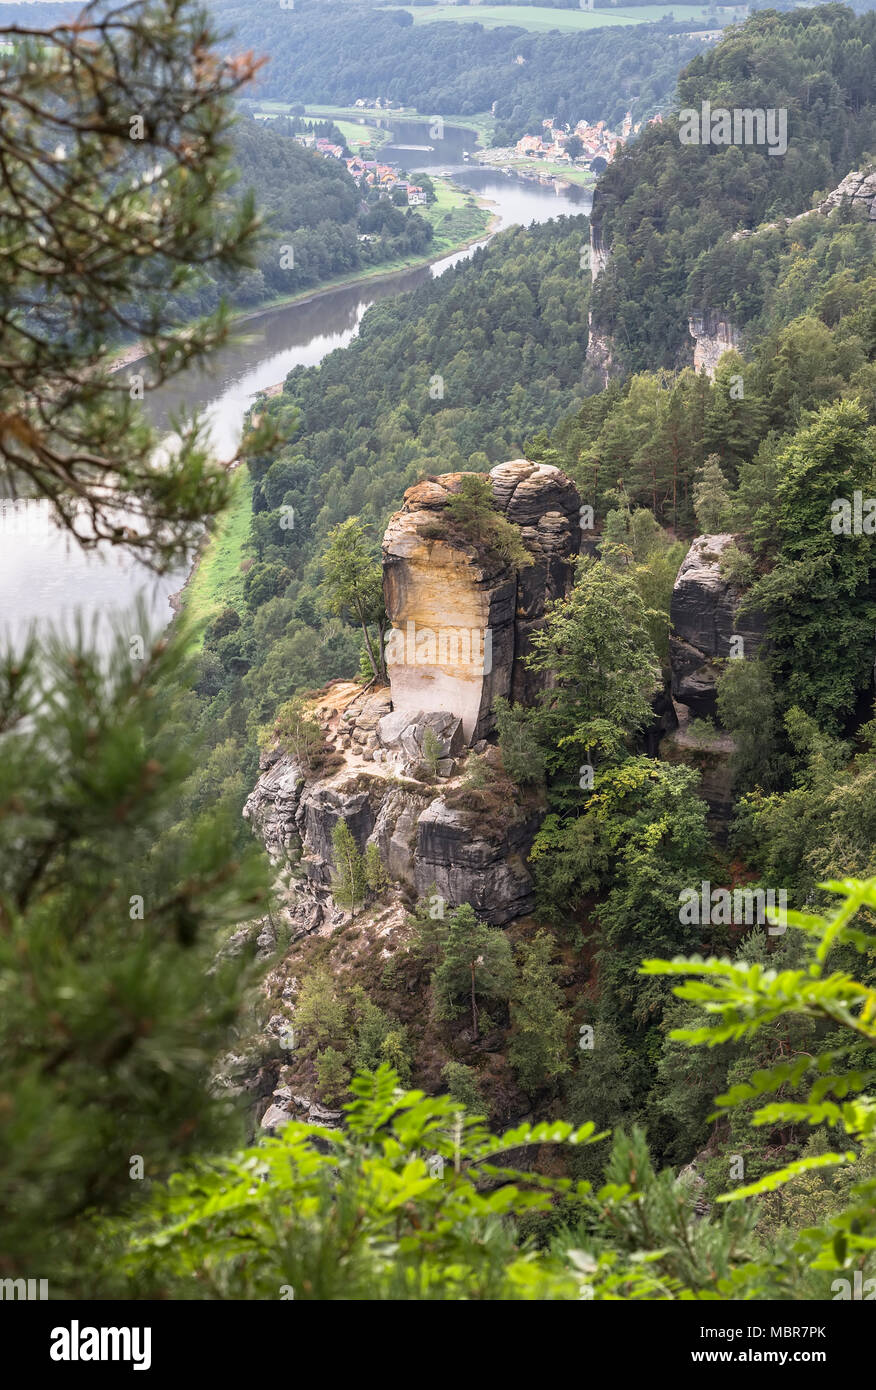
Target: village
{"type": "Point", "coordinates": [559, 151]}
{"type": "Point", "coordinates": [368, 172]}
{"type": "Point", "coordinates": [583, 145]}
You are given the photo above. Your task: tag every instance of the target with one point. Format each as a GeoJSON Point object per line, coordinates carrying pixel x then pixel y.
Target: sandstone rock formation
{"type": "Point", "coordinates": [599, 347]}
{"type": "Point", "coordinates": [704, 617]}
{"type": "Point", "coordinates": [461, 618]}
{"type": "Point", "coordinates": [713, 336]}
{"type": "Point", "coordinates": [857, 188]}
{"type": "Point", "coordinates": [433, 836]}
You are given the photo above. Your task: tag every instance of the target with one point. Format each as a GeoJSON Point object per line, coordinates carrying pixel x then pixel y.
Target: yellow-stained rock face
{"type": "Point", "coordinates": [460, 616]}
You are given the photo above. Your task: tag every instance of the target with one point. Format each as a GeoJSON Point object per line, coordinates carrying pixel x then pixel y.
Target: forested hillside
{"type": "Point", "coordinates": [311, 212]}
{"type": "Point", "coordinates": [575, 1069]}
{"type": "Point", "coordinates": [668, 212]}
{"type": "Point", "coordinates": [460, 69]}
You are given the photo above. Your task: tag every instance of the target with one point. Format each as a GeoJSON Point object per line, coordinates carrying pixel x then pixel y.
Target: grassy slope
{"type": "Point", "coordinates": [217, 581]}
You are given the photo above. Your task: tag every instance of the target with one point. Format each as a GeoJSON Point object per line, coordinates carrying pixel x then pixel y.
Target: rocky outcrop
{"type": "Point", "coordinates": [706, 626]}
{"type": "Point", "coordinates": [599, 351]}
{"type": "Point", "coordinates": [712, 332]}
{"type": "Point", "coordinates": [599, 252]}
{"type": "Point", "coordinates": [599, 346]}
{"type": "Point", "coordinates": [713, 336]}
{"type": "Point", "coordinates": [461, 616]}
{"type": "Point", "coordinates": [396, 760]}
{"type": "Point", "coordinates": [857, 189]}
{"type": "Point", "coordinates": [434, 834]}
{"type": "Point", "coordinates": [457, 858]}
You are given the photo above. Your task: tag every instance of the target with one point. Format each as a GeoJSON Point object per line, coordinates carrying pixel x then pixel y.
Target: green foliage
{"type": "Point", "coordinates": [320, 1010]}
{"type": "Point", "coordinates": [522, 755]}
{"type": "Point", "coordinates": [462, 1086]}
{"type": "Point", "coordinates": [332, 1075]}
{"type": "Point", "coordinates": [379, 1038]}
{"type": "Point", "coordinates": [296, 730]}
{"type": "Point", "coordinates": [350, 877]}
{"type": "Point", "coordinates": [538, 1048]}
{"type": "Point", "coordinates": [711, 498]}
{"type": "Point", "coordinates": [474, 511]}
{"type": "Point", "coordinates": [353, 584]}
{"type": "Point", "coordinates": [361, 1212]}
{"type": "Point", "coordinates": [595, 644]}
{"type": "Point", "coordinates": [431, 751]}
{"type": "Point", "coordinates": [376, 876]}
{"type": "Point", "coordinates": [736, 566]}
{"type": "Point", "coordinates": [473, 961]}
{"type": "Point", "coordinates": [741, 1000]}
{"type": "Point", "coordinates": [114, 1002]}
{"type": "Point", "coordinates": [639, 839]}
{"type": "Point", "coordinates": [820, 593]}
{"type": "Point", "coordinates": [747, 707]}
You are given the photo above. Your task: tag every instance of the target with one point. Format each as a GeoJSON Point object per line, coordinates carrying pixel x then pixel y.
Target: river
{"type": "Point", "coordinates": [46, 581]}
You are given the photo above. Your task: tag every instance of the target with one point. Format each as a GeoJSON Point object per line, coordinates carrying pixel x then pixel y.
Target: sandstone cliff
{"type": "Point", "coordinates": [713, 335]}
{"type": "Point", "coordinates": [397, 761]}
{"type": "Point", "coordinates": [706, 629]}
{"type": "Point", "coordinates": [462, 617]}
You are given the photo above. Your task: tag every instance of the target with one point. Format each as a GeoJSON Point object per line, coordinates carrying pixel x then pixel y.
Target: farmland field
{"type": "Point", "coordinates": [540, 20]}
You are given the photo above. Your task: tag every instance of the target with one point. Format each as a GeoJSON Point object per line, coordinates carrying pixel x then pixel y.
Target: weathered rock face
{"type": "Point", "coordinates": [857, 188]}
{"type": "Point", "coordinates": [703, 613]}
{"type": "Point", "coordinates": [385, 790]}
{"type": "Point", "coordinates": [462, 619]}
{"type": "Point", "coordinates": [462, 865]}
{"type": "Point", "coordinates": [599, 252]}
{"type": "Point", "coordinates": [713, 336]}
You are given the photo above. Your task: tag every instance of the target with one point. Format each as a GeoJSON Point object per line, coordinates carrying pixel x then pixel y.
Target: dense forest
{"type": "Point", "coordinates": [148, 967]}
{"type": "Point", "coordinates": [670, 213]}
{"type": "Point", "coordinates": [313, 215]}
{"type": "Point", "coordinates": [461, 69]}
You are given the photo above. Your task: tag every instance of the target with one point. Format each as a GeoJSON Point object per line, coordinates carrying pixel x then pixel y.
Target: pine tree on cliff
{"type": "Point", "coordinates": [353, 584]}
{"type": "Point", "coordinates": [474, 962]}
{"type": "Point", "coordinates": [350, 877]}
{"type": "Point", "coordinates": [114, 151]}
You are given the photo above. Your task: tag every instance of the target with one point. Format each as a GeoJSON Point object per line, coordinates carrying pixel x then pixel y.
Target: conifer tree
{"type": "Point", "coordinates": [113, 143]}
{"type": "Point", "coordinates": [538, 1047]}
{"type": "Point", "coordinates": [350, 878]}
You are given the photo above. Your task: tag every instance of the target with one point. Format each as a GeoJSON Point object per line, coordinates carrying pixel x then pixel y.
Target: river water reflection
{"type": "Point", "coordinates": [44, 579]}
